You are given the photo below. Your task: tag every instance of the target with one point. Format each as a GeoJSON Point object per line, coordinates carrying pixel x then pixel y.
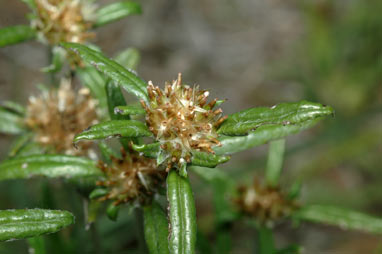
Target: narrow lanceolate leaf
{"type": "Point", "coordinates": [19, 143]}
{"type": "Point", "coordinates": [340, 217]}
{"type": "Point", "coordinates": [128, 58]}
{"type": "Point", "coordinates": [25, 223]}
{"type": "Point", "coordinates": [275, 162]}
{"type": "Point", "coordinates": [15, 34]}
{"type": "Point", "coordinates": [125, 78]}
{"type": "Point", "coordinates": [148, 150]}
{"type": "Point", "coordinates": [130, 110]}
{"type": "Point", "coordinates": [286, 114]}
{"type": "Point", "coordinates": [115, 98]}
{"type": "Point", "coordinates": [156, 229]}
{"type": "Point", "coordinates": [198, 158]}
{"type": "Point", "coordinates": [209, 160]}
{"type": "Point", "coordinates": [114, 128]}
{"type": "Point", "coordinates": [262, 135]}
{"type": "Point", "coordinates": [13, 107]}
{"type": "Point", "coordinates": [182, 216]}
{"type": "Point", "coordinates": [10, 123]}
{"type": "Point", "coordinates": [95, 82]}
{"type": "Point", "coordinates": [49, 166]}
{"type": "Point", "coordinates": [116, 11]}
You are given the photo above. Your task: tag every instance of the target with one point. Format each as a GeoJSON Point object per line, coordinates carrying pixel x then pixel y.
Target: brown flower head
{"type": "Point", "coordinates": [266, 204]}
{"type": "Point", "coordinates": [182, 121]}
{"type": "Point", "coordinates": [63, 20]}
{"type": "Point", "coordinates": [131, 178]}
{"type": "Point", "coordinates": [57, 116]}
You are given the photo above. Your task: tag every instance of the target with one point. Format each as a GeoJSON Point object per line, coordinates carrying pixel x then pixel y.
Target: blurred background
{"type": "Point", "coordinates": [253, 53]}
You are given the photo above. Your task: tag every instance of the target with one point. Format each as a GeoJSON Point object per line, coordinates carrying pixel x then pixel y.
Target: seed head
{"type": "Point", "coordinates": [63, 20]}
{"type": "Point", "coordinates": [57, 116]}
{"type": "Point", "coordinates": [182, 121]}
{"type": "Point", "coordinates": [266, 204]}
{"type": "Point", "coordinates": [132, 178]}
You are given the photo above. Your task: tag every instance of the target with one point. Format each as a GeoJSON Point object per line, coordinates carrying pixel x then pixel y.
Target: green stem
{"type": "Point", "coordinates": [265, 240]}
{"type": "Point", "coordinates": [274, 162]}
{"type": "Point", "coordinates": [36, 245]}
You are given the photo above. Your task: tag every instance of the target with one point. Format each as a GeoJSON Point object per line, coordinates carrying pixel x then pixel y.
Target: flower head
{"type": "Point", "coordinates": [266, 204]}
{"type": "Point", "coordinates": [58, 115]}
{"type": "Point", "coordinates": [182, 121]}
{"type": "Point", "coordinates": [131, 178]}
{"type": "Point", "coordinates": [63, 20]}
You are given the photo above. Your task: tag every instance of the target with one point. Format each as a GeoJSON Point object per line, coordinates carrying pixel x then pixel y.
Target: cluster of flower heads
{"type": "Point", "coordinates": [63, 20]}
{"type": "Point", "coordinates": [182, 121]}
{"type": "Point", "coordinates": [264, 203]}
{"type": "Point", "coordinates": [58, 115]}
{"type": "Point", "coordinates": [131, 178]}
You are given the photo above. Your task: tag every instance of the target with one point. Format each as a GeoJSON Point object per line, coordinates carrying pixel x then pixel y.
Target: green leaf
{"type": "Point", "coordinates": [125, 78]}
{"type": "Point", "coordinates": [155, 229]}
{"type": "Point", "coordinates": [10, 123]}
{"type": "Point", "coordinates": [130, 110]}
{"type": "Point", "coordinates": [13, 107]}
{"type": "Point", "coordinates": [112, 212]}
{"type": "Point", "coordinates": [31, 4]}
{"type": "Point", "coordinates": [149, 150]}
{"type": "Point", "coordinates": [181, 215]}
{"type": "Point", "coordinates": [261, 135]}
{"type": "Point", "coordinates": [198, 158]}
{"type": "Point", "coordinates": [121, 128]}
{"type": "Point", "coordinates": [128, 58]}
{"type": "Point", "coordinates": [115, 98]}
{"type": "Point", "coordinates": [19, 143]}
{"type": "Point", "coordinates": [49, 166]}
{"type": "Point", "coordinates": [116, 11]}
{"type": "Point", "coordinates": [275, 162]}
{"type": "Point", "coordinates": [343, 218]}
{"type": "Point", "coordinates": [97, 193]}
{"type": "Point", "coordinates": [15, 34]}
{"type": "Point", "coordinates": [95, 82]}
{"type": "Point", "coordinates": [36, 245]}
{"type": "Point", "coordinates": [207, 159]}
{"type": "Point", "coordinates": [20, 224]}
{"type": "Point", "coordinates": [286, 114]}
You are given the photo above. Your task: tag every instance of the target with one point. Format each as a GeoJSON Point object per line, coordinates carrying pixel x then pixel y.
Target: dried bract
{"type": "Point", "coordinates": [63, 20]}
{"type": "Point", "coordinates": [132, 178]}
{"type": "Point", "coordinates": [266, 204]}
{"type": "Point", "coordinates": [57, 116]}
{"type": "Point", "coordinates": [182, 121]}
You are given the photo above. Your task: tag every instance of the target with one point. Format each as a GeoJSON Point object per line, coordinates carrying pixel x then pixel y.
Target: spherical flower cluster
{"type": "Point", "coordinates": [58, 115]}
{"type": "Point", "coordinates": [182, 121]}
{"type": "Point", "coordinates": [63, 20]}
{"type": "Point", "coordinates": [266, 204]}
{"type": "Point", "coordinates": [131, 178]}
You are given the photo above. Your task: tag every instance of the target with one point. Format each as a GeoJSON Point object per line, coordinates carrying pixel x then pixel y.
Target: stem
{"type": "Point", "coordinates": [140, 232]}
{"type": "Point", "coordinates": [36, 245]}
{"type": "Point", "coordinates": [265, 240]}
{"type": "Point", "coordinates": [274, 162]}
